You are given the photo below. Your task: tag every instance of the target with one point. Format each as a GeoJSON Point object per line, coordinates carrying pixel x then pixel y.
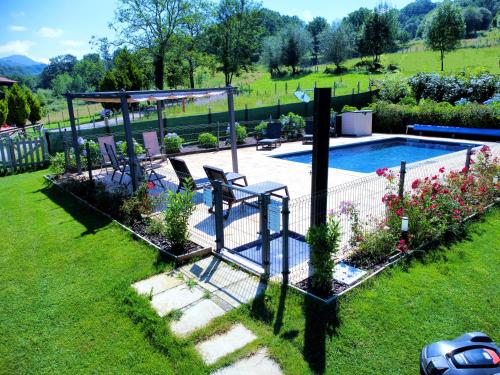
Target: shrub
{"type": "Point", "coordinates": [392, 88]}
{"type": "Point", "coordinates": [17, 102]}
{"type": "Point", "coordinates": [4, 111]}
{"type": "Point", "coordinates": [57, 163]}
{"type": "Point", "coordinates": [408, 100]}
{"type": "Point", "coordinates": [207, 140]}
{"type": "Point", "coordinates": [323, 241]}
{"type": "Point", "coordinates": [260, 130]}
{"type": "Point", "coordinates": [292, 124]}
{"type": "Point", "coordinates": [138, 205]}
{"type": "Point", "coordinates": [173, 143]}
{"type": "Point", "coordinates": [393, 68]}
{"type": "Point", "coordinates": [375, 247]}
{"type": "Point", "coordinates": [180, 207]}
{"type": "Point", "coordinates": [241, 134]}
{"type": "Point", "coordinates": [336, 70]}
{"type": "Point", "coordinates": [348, 108]}
{"type": "Point", "coordinates": [35, 107]}
{"type": "Point", "coordinates": [122, 147]}
{"type": "Point", "coordinates": [369, 66]}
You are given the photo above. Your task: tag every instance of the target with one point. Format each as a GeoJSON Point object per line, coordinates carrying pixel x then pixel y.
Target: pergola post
{"type": "Point", "coordinates": [232, 128]}
{"type": "Point", "coordinates": [74, 134]}
{"type": "Point", "coordinates": [128, 138]}
{"type": "Point", "coordinates": [159, 110]}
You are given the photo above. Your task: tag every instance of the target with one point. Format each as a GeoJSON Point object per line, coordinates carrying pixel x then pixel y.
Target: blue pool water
{"type": "Point", "coordinates": [367, 157]}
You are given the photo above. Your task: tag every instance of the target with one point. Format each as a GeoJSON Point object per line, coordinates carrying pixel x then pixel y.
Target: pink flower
{"type": "Point", "coordinates": [399, 212]}
{"type": "Point", "coordinates": [415, 184]}
{"type": "Point", "coordinates": [381, 171]}
{"type": "Point", "coordinates": [465, 170]}
{"type": "Point", "coordinates": [150, 185]}
{"type": "Point", "coordinates": [441, 170]}
{"type": "Point", "coordinates": [434, 177]}
{"type": "Point", "coordinates": [485, 148]}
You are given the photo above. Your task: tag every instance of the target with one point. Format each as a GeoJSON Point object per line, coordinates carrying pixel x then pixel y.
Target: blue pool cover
{"type": "Point", "coordinates": [367, 157]}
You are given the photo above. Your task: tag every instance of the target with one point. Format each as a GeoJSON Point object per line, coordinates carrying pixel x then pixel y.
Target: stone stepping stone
{"type": "Point", "coordinates": [219, 346]}
{"type": "Point", "coordinates": [196, 316]}
{"type": "Point", "coordinates": [175, 298]}
{"type": "Point", "coordinates": [258, 363]}
{"type": "Point", "coordinates": [156, 284]}
{"type": "Point", "coordinates": [242, 291]}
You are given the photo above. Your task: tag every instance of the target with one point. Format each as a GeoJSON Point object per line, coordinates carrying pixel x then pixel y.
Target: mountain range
{"type": "Point", "coordinates": [16, 65]}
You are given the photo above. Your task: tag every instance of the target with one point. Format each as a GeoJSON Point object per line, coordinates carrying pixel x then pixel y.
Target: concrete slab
{"type": "Point", "coordinates": [175, 298]}
{"type": "Point", "coordinates": [258, 363]}
{"type": "Point", "coordinates": [242, 291]}
{"type": "Point", "coordinates": [196, 316]}
{"type": "Point", "coordinates": [156, 284]}
{"type": "Point", "coordinates": [219, 346]}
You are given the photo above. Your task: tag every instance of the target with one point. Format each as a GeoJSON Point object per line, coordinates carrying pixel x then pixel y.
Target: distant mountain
{"type": "Point", "coordinates": [20, 65]}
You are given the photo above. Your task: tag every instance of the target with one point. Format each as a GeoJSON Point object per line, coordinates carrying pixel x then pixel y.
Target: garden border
{"type": "Point", "coordinates": [177, 258]}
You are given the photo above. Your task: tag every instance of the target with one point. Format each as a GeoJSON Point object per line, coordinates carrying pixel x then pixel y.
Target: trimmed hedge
{"type": "Point", "coordinates": [393, 118]}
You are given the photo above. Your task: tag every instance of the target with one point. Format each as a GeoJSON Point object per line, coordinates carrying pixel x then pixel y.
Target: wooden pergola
{"type": "Point", "coordinates": [124, 98]}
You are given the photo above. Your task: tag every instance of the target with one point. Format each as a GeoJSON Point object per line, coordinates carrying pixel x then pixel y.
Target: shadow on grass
{"type": "Point", "coordinates": [89, 218]}
{"type": "Point", "coordinates": [321, 321]}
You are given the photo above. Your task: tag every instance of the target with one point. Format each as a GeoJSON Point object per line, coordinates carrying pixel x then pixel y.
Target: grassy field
{"type": "Point", "coordinates": [65, 273]}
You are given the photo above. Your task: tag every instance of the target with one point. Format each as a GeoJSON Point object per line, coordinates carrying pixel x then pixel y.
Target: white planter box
{"type": "Point", "coordinates": [358, 123]}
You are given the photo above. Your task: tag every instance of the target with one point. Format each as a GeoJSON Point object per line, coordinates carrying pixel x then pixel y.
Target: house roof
{"type": "Point", "coordinates": [6, 81]}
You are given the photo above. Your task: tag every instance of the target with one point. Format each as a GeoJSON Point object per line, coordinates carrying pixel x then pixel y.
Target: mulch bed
{"type": "Point", "coordinates": [337, 288]}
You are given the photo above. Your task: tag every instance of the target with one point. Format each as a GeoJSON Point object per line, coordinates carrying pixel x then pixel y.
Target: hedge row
{"type": "Point", "coordinates": [393, 118]}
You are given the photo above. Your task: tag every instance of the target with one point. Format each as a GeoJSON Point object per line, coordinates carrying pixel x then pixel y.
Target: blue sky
{"type": "Point", "coordinates": [42, 29]}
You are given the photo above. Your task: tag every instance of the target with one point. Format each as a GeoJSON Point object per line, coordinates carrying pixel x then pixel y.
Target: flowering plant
{"type": "Point", "coordinates": [173, 143]}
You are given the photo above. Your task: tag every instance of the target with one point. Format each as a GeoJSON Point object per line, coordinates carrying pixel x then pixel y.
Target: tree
{"type": "Point", "coordinates": [17, 103]}
{"type": "Point", "coordinates": [445, 29]}
{"type": "Point", "coordinates": [127, 73]}
{"type": "Point", "coordinates": [358, 19]}
{"type": "Point", "coordinates": [296, 42]}
{"type": "Point", "coordinates": [35, 114]}
{"type": "Point", "coordinates": [91, 68]}
{"type": "Point", "coordinates": [150, 24]}
{"type": "Point", "coordinates": [337, 43]}
{"type": "Point", "coordinates": [4, 111]}
{"type": "Point", "coordinates": [473, 20]}
{"type": "Point", "coordinates": [109, 83]}
{"type": "Point", "coordinates": [61, 84]}
{"type": "Point", "coordinates": [379, 33]}
{"type": "Point", "coordinates": [235, 37]}
{"type": "Point", "coordinates": [271, 54]}
{"type": "Point", "coordinates": [58, 65]}
{"type": "Point", "coordinates": [315, 28]}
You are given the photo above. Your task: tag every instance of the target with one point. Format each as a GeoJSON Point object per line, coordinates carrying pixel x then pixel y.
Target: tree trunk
{"type": "Point", "coordinates": [159, 67]}
{"type": "Point", "coordinates": [442, 60]}
{"type": "Point", "coordinates": [191, 73]}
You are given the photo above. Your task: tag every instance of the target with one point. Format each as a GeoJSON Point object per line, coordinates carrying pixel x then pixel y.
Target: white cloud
{"type": "Point", "coordinates": [17, 28]}
{"type": "Point", "coordinates": [307, 15]}
{"type": "Point", "coordinates": [72, 43]}
{"type": "Point", "coordinates": [48, 32]}
{"type": "Point", "coordinates": [18, 47]}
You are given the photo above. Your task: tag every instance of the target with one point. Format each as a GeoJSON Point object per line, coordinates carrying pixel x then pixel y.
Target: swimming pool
{"type": "Point", "coordinates": [367, 157]}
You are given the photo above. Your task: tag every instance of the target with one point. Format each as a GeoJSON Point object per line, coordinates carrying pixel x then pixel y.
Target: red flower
{"type": "Point", "coordinates": [399, 212]}
{"type": "Point", "coordinates": [150, 185]}
{"type": "Point", "coordinates": [434, 177]}
{"type": "Point", "coordinates": [415, 184]}
{"type": "Point", "coordinates": [483, 189]}
{"type": "Point", "coordinates": [465, 170]}
{"type": "Point", "coordinates": [485, 148]}
{"type": "Point", "coordinates": [402, 247]}
{"type": "Point", "coordinates": [381, 171]}
{"type": "Point", "coordinates": [441, 170]}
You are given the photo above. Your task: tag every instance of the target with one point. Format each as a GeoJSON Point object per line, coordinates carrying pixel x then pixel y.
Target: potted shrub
{"type": "Point", "coordinates": [173, 143]}
{"type": "Point", "coordinates": [293, 125]}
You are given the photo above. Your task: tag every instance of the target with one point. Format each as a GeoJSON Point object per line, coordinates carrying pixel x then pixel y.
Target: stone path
{"type": "Point", "coordinates": [199, 292]}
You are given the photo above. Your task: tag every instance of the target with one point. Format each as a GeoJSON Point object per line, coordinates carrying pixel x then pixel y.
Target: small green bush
{"type": "Point", "coordinates": [241, 134]}
{"type": "Point", "coordinates": [173, 143]}
{"type": "Point", "coordinates": [57, 164]}
{"type": "Point", "coordinates": [260, 130]}
{"type": "Point", "coordinates": [179, 209]}
{"type": "Point", "coordinates": [408, 100]}
{"type": "Point", "coordinates": [392, 88]}
{"type": "Point", "coordinates": [375, 247]}
{"type": "Point", "coordinates": [19, 110]}
{"type": "Point", "coordinates": [4, 111]}
{"type": "Point", "coordinates": [139, 204]}
{"type": "Point", "coordinates": [35, 114]}
{"type": "Point", "coordinates": [348, 108]}
{"type": "Point", "coordinates": [122, 147]}
{"type": "Point", "coordinates": [207, 140]}
{"type": "Point", "coordinates": [323, 241]}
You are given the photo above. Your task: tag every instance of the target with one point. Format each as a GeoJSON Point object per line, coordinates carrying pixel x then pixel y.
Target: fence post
{"type": "Point", "coordinates": [278, 109]}
{"type": "Point", "coordinates": [286, 87]}
{"type": "Point", "coordinates": [246, 112]}
{"type": "Point", "coordinates": [467, 158]}
{"type": "Point", "coordinates": [89, 162]}
{"type": "Point", "coordinates": [66, 152]}
{"type": "Point", "coordinates": [334, 87]}
{"type": "Point", "coordinates": [275, 88]}
{"type": "Point", "coordinates": [209, 115]}
{"type": "Point", "coordinates": [402, 174]}
{"type": "Point", "coordinates": [285, 214]}
{"type": "Point", "coordinates": [306, 110]}
{"type": "Point", "coordinates": [218, 135]}
{"type": "Point", "coordinates": [219, 217]}
{"type": "Point", "coordinates": [264, 232]}
{"type": "Point", "coordinates": [12, 155]}
{"type": "Point", "coordinates": [358, 87]}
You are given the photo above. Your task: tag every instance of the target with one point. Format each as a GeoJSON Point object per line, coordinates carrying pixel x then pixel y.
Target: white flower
{"type": "Point", "coordinates": [80, 141]}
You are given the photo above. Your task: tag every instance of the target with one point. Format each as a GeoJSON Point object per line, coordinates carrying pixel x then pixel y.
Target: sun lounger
{"type": "Point", "coordinates": [272, 138]}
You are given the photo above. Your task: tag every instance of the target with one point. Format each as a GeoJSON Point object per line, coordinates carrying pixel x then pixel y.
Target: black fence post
{"type": "Point", "coordinates": [278, 109]}
{"type": "Point", "coordinates": [209, 115]}
{"type": "Point", "coordinates": [285, 215]}
{"type": "Point", "coordinates": [286, 87]}
{"type": "Point", "coordinates": [358, 87]}
{"type": "Point", "coordinates": [89, 162]}
{"type": "Point", "coordinates": [66, 152]}
{"type": "Point", "coordinates": [219, 217]}
{"type": "Point", "coordinates": [402, 174]}
{"type": "Point", "coordinates": [264, 232]}
{"type": "Point", "coordinates": [306, 110]}
{"type": "Point", "coordinates": [468, 158]}
{"type": "Point", "coordinates": [246, 112]}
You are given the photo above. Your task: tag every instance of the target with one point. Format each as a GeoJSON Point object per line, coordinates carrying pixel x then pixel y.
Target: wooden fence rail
{"type": "Point", "coordinates": [24, 153]}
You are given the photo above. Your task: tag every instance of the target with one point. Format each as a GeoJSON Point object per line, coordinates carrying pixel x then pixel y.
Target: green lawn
{"type": "Point", "coordinates": [64, 274]}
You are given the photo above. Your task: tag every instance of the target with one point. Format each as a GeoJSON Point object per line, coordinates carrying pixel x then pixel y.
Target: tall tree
{"type": "Point", "coordinates": [315, 28]}
{"type": "Point", "coordinates": [4, 111]}
{"type": "Point", "coordinates": [92, 69]}
{"type": "Point", "coordinates": [150, 24]}
{"type": "Point", "coordinates": [235, 37]}
{"type": "Point", "coordinates": [271, 54]}
{"type": "Point", "coordinates": [445, 29]}
{"type": "Point", "coordinates": [58, 65]}
{"type": "Point", "coordinates": [338, 42]}
{"type": "Point", "coordinates": [34, 105]}
{"type": "Point", "coordinates": [296, 43]}
{"type": "Point", "coordinates": [17, 103]}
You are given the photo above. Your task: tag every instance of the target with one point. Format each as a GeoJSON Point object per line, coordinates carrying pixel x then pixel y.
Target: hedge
{"type": "Point", "coordinates": [393, 118]}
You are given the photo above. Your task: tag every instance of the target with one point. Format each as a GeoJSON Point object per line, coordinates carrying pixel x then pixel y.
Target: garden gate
{"type": "Point", "coordinates": [22, 153]}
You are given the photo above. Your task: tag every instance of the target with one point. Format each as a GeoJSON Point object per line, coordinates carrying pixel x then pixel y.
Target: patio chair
{"type": "Point", "coordinates": [117, 165]}
{"type": "Point", "coordinates": [152, 146]}
{"type": "Point", "coordinates": [102, 141]}
{"type": "Point", "coordinates": [308, 133]}
{"type": "Point", "coordinates": [272, 138]}
{"type": "Point", "coordinates": [185, 177]}
{"type": "Point", "coordinates": [232, 196]}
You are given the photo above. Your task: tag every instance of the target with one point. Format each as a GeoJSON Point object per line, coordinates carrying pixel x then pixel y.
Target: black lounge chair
{"type": "Point", "coordinates": [186, 178]}
{"type": "Point", "coordinates": [237, 195]}
{"type": "Point", "coordinates": [272, 138]}
{"type": "Point", "coordinates": [117, 165]}
{"type": "Point", "coordinates": [308, 133]}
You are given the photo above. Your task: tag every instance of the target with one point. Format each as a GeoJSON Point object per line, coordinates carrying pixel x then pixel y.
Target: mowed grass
{"type": "Point", "coordinates": [64, 272]}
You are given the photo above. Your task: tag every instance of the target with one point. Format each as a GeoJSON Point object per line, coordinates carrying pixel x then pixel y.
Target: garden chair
{"type": "Point", "coordinates": [272, 137]}
{"type": "Point", "coordinates": [152, 146]}
{"type": "Point", "coordinates": [232, 196]}
{"type": "Point", "coordinates": [308, 133]}
{"type": "Point", "coordinates": [186, 179]}
{"type": "Point", "coordinates": [102, 141]}
{"type": "Point", "coordinates": [117, 165]}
